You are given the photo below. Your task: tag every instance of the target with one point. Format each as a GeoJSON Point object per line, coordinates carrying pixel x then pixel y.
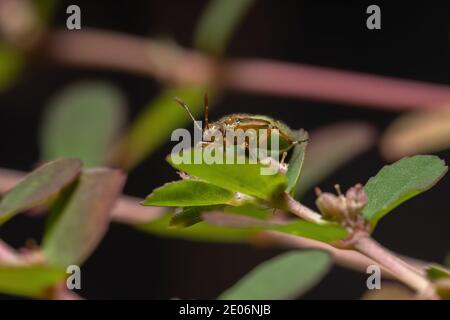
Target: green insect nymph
{"type": "Point", "coordinates": [260, 123]}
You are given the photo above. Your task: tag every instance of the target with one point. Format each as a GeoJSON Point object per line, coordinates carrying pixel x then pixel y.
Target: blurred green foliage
{"type": "Point", "coordinates": [82, 121]}
{"type": "Point", "coordinates": [11, 64]}
{"type": "Point", "coordinates": [29, 281]}
{"type": "Point", "coordinates": [436, 272]}
{"type": "Point", "coordinates": [218, 23]}
{"type": "Point", "coordinates": [38, 187]}
{"type": "Point", "coordinates": [284, 277]}
{"type": "Point", "coordinates": [80, 223]}
{"type": "Point", "coordinates": [45, 9]}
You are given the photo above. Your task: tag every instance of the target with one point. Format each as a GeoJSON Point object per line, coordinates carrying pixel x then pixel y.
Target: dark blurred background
{"type": "Point", "coordinates": [413, 43]}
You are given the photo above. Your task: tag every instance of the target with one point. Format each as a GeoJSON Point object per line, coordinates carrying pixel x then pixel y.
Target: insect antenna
{"type": "Point", "coordinates": [186, 107]}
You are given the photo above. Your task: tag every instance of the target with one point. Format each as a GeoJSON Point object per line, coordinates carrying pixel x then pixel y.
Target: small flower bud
{"type": "Point", "coordinates": [331, 206]}
{"type": "Point", "coordinates": [356, 198]}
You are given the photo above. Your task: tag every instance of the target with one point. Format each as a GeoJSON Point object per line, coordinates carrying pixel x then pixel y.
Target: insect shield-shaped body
{"type": "Point", "coordinates": [251, 133]}
{"type": "Point", "coordinates": [265, 129]}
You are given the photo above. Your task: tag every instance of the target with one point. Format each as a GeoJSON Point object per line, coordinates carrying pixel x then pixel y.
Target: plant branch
{"type": "Point", "coordinates": [346, 258]}
{"type": "Point", "coordinates": [303, 212]}
{"type": "Point", "coordinates": [359, 239]}
{"type": "Point", "coordinates": [127, 210]}
{"type": "Point", "coordinates": [175, 65]}
{"type": "Point", "coordinates": [332, 85]}
{"type": "Point", "coordinates": [108, 50]}
{"type": "Point", "coordinates": [402, 271]}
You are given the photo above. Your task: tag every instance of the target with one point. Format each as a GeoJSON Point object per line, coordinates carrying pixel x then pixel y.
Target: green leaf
{"type": "Point", "coordinates": [154, 126]}
{"type": "Point", "coordinates": [328, 233]}
{"type": "Point", "coordinates": [223, 219]}
{"type": "Point", "coordinates": [186, 193]}
{"type": "Point", "coordinates": [29, 281]}
{"type": "Point", "coordinates": [447, 260]}
{"type": "Point", "coordinates": [39, 186]}
{"type": "Point", "coordinates": [250, 210]}
{"type": "Point", "coordinates": [400, 181]}
{"type": "Point", "coordinates": [11, 64]}
{"type": "Point", "coordinates": [329, 148]}
{"type": "Point", "coordinates": [237, 227]}
{"type": "Point", "coordinates": [198, 232]}
{"type": "Point", "coordinates": [82, 221]}
{"type": "Point", "coordinates": [284, 277]}
{"type": "Point", "coordinates": [322, 232]}
{"type": "Point", "coordinates": [296, 161]}
{"type": "Point", "coordinates": [245, 178]}
{"type": "Point", "coordinates": [190, 216]}
{"type": "Point", "coordinates": [217, 24]}
{"type": "Point", "coordinates": [83, 121]}
{"type": "Point", "coordinates": [435, 272]}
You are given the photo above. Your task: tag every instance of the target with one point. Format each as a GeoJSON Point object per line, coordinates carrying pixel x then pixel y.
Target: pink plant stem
{"type": "Point", "coordinates": [8, 256]}
{"type": "Point", "coordinates": [395, 265]}
{"type": "Point", "coordinates": [175, 65]}
{"type": "Point", "coordinates": [347, 258]}
{"type": "Point", "coordinates": [331, 85]}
